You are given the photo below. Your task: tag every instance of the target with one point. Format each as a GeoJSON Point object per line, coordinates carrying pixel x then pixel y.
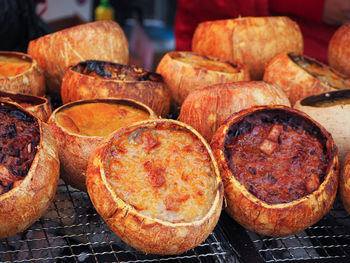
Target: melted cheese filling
{"type": "Point", "coordinates": [98, 119]}
{"type": "Point", "coordinates": [164, 174]}
{"type": "Point", "coordinates": [12, 66]}
{"type": "Point", "coordinates": [206, 63]}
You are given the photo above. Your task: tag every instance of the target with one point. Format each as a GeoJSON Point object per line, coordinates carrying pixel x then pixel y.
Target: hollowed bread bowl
{"type": "Point", "coordinates": [338, 50]}
{"type": "Point", "coordinates": [301, 76]}
{"type": "Point", "coordinates": [157, 185]}
{"type": "Point", "coordinates": [99, 79]}
{"type": "Point", "coordinates": [78, 128]}
{"type": "Point", "coordinates": [185, 72]}
{"type": "Point", "coordinates": [332, 111]}
{"type": "Point", "coordinates": [253, 41]}
{"type": "Point", "coordinates": [29, 169]}
{"type": "Point", "coordinates": [100, 40]}
{"type": "Point", "coordinates": [38, 106]}
{"type": "Point", "coordinates": [206, 109]}
{"type": "Point", "coordinates": [279, 169]}
{"type": "Point", "coordinates": [20, 73]}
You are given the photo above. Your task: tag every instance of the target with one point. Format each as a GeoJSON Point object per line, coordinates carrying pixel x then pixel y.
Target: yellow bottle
{"type": "Point", "coordinates": [104, 11]}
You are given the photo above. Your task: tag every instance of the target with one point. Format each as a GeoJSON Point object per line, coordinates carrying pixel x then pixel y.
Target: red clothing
{"type": "Point", "coordinates": [308, 14]}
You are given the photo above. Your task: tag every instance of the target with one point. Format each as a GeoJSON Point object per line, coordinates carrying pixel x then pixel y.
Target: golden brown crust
{"type": "Point", "coordinates": [183, 78]}
{"type": "Point", "coordinates": [296, 82]}
{"type": "Point", "coordinates": [74, 150]}
{"type": "Point", "coordinates": [144, 233]}
{"type": "Point", "coordinates": [344, 183]}
{"type": "Point", "coordinates": [78, 86]}
{"type": "Point", "coordinates": [38, 106]}
{"type": "Point", "coordinates": [25, 203]}
{"type": "Point", "coordinates": [104, 40]}
{"type": "Point", "coordinates": [206, 109]}
{"type": "Point", "coordinates": [253, 41]}
{"type": "Point", "coordinates": [31, 81]}
{"type": "Point", "coordinates": [338, 50]}
{"type": "Point", "coordinates": [277, 219]}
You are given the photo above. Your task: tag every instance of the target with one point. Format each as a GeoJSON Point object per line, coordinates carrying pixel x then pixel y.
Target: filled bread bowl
{"type": "Point", "coordinates": [20, 73]}
{"type": "Point", "coordinates": [99, 79]}
{"type": "Point", "coordinates": [279, 169]}
{"type": "Point", "coordinates": [253, 41]}
{"type": "Point", "coordinates": [78, 127]}
{"type": "Point", "coordinates": [338, 50]}
{"type": "Point", "coordinates": [100, 40]}
{"type": "Point", "coordinates": [332, 111]}
{"type": "Point", "coordinates": [38, 106]}
{"type": "Point", "coordinates": [29, 169]}
{"type": "Point", "coordinates": [185, 72]}
{"type": "Point", "coordinates": [157, 186]}
{"type": "Point", "coordinates": [300, 76]}
{"type": "Point", "coordinates": [206, 109]}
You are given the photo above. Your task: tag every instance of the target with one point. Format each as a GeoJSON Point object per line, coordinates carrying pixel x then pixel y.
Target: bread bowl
{"type": "Point", "coordinates": [20, 73]}
{"type": "Point", "coordinates": [29, 169]}
{"type": "Point", "coordinates": [157, 186]}
{"type": "Point", "coordinates": [99, 79]}
{"type": "Point", "coordinates": [253, 41]}
{"type": "Point", "coordinates": [185, 72]}
{"type": "Point", "coordinates": [78, 128]}
{"type": "Point", "coordinates": [103, 40]}
{"type": "Point", "coordinates": [344, 183]}
{"type": "Point", "coordinates": [279, 168]}
{"type": "Point", "coordinates": [300, 76]}
{"type": "Point", "coordinates": [38, 106]}
{"type": "Point", "coordinates": [206, 109]}
{"type": "Point", "coordinates": [332, 111]}
{"type": "Point", "coordinates": [338, 50]}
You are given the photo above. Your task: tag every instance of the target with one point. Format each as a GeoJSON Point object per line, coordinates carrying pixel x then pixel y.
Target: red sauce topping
{"type": "Point", "coordinates": [277, 163]}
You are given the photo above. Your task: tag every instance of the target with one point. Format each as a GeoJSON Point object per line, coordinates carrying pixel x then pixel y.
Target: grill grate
{"type": "Point", "coordinates": [326, 241]}
{"type": "Point", "coordinates": [72, 231]}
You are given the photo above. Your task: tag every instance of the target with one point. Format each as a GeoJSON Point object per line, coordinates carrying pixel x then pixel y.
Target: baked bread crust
{"type": "Point", "coordinates": [145, 233]}
{"type": "Point", "coordinates": [280, 219]}
{"type": "Point", "coordinates": [24, 204]}
{"type": "Point", "coordinates": [31, 81]}
{"type": "Point", "coordinates": [252, 41]}
{"type": "Point", "coordinates": [104, 40]}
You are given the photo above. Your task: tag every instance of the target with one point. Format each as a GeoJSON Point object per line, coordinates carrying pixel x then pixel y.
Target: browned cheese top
{"type": "Point", "coordinates": [163, 173]}
{"type": "Point", "coordinates": [277, 163]}
{"type": "Point", "coordinates": [12, 66]}
{"type": "Point", "coordinates": [98, 119]}
{"type": "Point", "coordinates": [205, 62]}
{"type": "Point", "coordinates": [322, 73]}
{"type": "Point", "coordinates": [19, 139]}
{"type": "Point", "coordinates": [114, 71]}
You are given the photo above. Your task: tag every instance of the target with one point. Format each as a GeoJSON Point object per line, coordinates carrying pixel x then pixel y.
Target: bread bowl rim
{"type": "Point", "coordinates": [231, 179]}
{"type": "Point", "coordinates": [106, 100]}
{"type": "Point", "coordinates": [23, 56]}
{"type": "Point", "coordinates": [71, 70]}
{"type": "Point", "coordinates": [218, 190]}
{"type": "Point", "coordinates": [240, 66]}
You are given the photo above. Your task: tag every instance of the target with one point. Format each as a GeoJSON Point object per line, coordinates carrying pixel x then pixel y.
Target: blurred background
{"type": "Point", "coordinates": [148, 25]}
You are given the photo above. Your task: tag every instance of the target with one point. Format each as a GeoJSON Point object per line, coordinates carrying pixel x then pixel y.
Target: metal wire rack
{"type": "Point", "coordinates": [326, 241]}
{"type": "Point", "coordinates": [72, 231]}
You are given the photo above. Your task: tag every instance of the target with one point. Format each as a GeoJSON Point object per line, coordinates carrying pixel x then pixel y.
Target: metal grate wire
{"type": "Point", "coordinates": [326, 241]}
{"type": "Point", "coordinates": [72, 231]}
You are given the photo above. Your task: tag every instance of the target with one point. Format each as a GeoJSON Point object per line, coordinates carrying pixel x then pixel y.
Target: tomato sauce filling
{"type": "Point", "coordinates": [163, 172]}
{"type": "Point", "coordinates": [114, 71]}
{"type": "Point", "coordinates": [98, 119]}
{"type": "Point", "coordinates": [19, 139]}
{"type": "Point", "coordinates": [275, 161]}
{"type": "Point", "coordinates": [12, 66]}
